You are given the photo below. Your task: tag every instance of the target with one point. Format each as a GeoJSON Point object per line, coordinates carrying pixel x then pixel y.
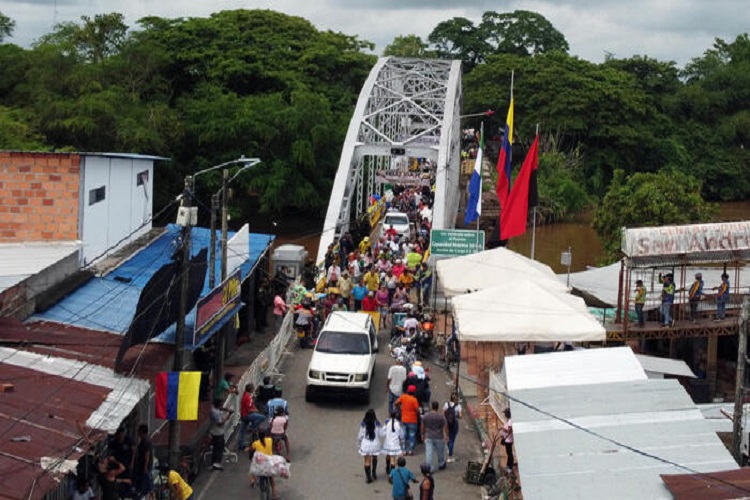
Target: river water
{"type": "Point", "coordinates": [551, 239]}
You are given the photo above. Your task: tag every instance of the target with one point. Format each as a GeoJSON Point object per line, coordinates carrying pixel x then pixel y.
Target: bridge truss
{"type": "Point", "coordinates": [407, 108]}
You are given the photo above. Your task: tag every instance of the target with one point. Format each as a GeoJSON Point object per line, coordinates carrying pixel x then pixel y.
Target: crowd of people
{"type": "Point", "coordinates": [396, 439]}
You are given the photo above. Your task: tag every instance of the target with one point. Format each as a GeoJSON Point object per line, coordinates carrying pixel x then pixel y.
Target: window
{"type": "Point", "coordinates": [342, 343]}
{"type": "Point", "coordinates": [141, 178]}
{"type": "Point", "coordinates": [96, 195]}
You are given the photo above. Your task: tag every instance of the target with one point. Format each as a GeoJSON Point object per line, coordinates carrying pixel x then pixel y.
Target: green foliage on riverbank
{"type": "Point", "coordinates": [648, 199]}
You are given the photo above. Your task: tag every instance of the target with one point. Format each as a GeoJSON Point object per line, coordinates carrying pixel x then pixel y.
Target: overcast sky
{"type": "Point", "coordinates": [676, 30]}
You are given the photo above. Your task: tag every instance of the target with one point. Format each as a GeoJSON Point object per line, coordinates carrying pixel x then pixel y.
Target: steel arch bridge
{"type": "Point", "coordinates": [407, 108]}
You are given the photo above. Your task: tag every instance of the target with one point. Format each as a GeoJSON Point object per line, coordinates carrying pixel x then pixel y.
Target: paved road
{"type": "Point", "coordinates": [323, 439]}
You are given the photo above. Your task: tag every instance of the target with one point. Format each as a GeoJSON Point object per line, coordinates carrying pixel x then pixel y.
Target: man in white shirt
{"type": "Point", "coordinates": [396, 377]}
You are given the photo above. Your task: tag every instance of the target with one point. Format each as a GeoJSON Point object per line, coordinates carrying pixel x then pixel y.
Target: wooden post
{"type": "Point", "coordinates": [618, 313]}
{"type": "Point", "coordinates": [739, 388]}
{"type": "Point", "coordinates": [711, 353]}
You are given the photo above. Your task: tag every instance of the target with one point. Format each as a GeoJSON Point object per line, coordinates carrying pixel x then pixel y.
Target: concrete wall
{"type": "Point", "coordinates": [38, 196]}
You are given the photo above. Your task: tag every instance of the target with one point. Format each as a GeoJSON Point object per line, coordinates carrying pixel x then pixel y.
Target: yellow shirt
{"type": "Point", "coordinates": [266, 448]}
{"type": "Point", "coordinates": [406, 279]}
{"type": "Point", "coordinates": [179, 488]}
{"type": "Point", "coordinates": [372, 281]}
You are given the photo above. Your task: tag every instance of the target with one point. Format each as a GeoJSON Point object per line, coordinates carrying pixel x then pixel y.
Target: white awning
{"type": "Point", "coordinates": [492, 268]}
{"type": "Point", "coordinates": [524, 310]}
{"type": "Point", "coordinates": [657, 367]}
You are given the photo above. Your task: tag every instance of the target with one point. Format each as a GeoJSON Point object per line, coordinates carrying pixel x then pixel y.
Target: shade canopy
{"type": "Point", "coordinates": [491, 268]}
{"type": "Point", "coordinates": [524, 311]}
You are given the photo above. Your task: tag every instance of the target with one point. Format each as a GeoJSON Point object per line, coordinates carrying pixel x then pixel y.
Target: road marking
{"type": "Point", "coordinates": [208, 485]}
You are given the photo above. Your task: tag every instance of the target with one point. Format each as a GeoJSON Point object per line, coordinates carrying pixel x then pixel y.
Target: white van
{"type": "Point", "coordinates": [399, 221]}
{"type": "Point", "coordinates": [344, 357]}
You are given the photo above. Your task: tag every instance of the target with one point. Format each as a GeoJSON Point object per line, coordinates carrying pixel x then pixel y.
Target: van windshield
{"type": "Point", "coordinates": [396, 220]}
{"type": "Point", "coordinates": [342, 343]}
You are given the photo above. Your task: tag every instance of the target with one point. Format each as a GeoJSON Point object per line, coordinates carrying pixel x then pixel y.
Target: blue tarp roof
{"type": "Point", "coordinates": [109, 302]}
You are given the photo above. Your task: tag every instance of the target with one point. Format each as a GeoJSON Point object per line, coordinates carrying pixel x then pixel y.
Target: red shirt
{"type": "Point", "coordinates": [247, 405]}
{"type": "Point", "coordinates": [369, 304]}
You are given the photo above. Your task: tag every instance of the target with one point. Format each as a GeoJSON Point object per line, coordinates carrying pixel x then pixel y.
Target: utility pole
{"type": "Point", "coordinates": [212, 248]}
{"type": "Point", "coordinates": [179, 337]}
{"type": "Point", "coordinates": [220, 337]}
{"type": "Point", "coordinates": [739, 388]}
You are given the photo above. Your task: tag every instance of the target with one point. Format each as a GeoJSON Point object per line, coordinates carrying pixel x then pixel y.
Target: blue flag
{"type": "Point", "coordinates": [474, 206]}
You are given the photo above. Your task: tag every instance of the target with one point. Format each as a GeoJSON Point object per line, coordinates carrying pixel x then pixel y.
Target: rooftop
{"type": "Point", "coordinates": [19, 261]}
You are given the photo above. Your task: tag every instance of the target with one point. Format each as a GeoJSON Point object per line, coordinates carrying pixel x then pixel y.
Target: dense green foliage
{"type": "Point", "coordinates": [648, 199]}
{"type": "Point", "coordinates": [202, 91]}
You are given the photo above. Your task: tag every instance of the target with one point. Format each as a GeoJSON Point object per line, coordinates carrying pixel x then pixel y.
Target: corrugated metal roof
{"type": "Point", "coordinates": [62, 375]}
{"type": "Point", "coordinates": [582, 367]}
{"type": "Point", "coordinates": [66, 341]}
{"type": "Point", "coordinates": [649, 418]}
{"type": "Point", "coordinates": [722, 485]}
{"type": "Point", "coordinates": [665, 366]}
{"type": "Point", "coordinates": [108, 303]}
{"type": "Point", "coordinates": [19, 261]}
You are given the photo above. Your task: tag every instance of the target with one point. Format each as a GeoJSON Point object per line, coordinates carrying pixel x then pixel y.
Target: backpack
{"type": "Point", "coordinates": [450, 415]}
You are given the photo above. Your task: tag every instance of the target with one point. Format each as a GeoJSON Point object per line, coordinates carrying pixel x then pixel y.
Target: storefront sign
{"type": "Point", "coordinates": [690, 239]}
{"type": "Point", "coordinates": [215, 308]}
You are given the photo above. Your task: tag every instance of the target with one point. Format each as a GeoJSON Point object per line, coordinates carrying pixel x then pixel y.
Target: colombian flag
{"type": "Point", "coordinates": [177, 395]}
{"type": "Point", "coordinates": [503, 161]}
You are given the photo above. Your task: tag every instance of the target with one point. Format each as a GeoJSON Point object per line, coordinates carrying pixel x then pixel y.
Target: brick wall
{"type": "Point", "coordinates": [38, 196]}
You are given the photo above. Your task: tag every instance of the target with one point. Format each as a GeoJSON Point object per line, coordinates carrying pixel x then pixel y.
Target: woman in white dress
{"type": "Point", "coordinates": [370, 433]}
{"type": "Point", "coordinates": [393, 442]}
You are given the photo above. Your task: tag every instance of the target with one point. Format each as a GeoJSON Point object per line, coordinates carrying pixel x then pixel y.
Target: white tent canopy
{"type": "Point", "coordinates": [492, 268]}
{"type": "Point", "coordinates": [524, 311]}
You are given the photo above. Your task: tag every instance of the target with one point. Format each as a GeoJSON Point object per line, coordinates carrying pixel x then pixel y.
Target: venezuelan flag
{"type": "Point", "coordinates": [503, 161]}
{"type": "Point", "coordinates": [177, 395]}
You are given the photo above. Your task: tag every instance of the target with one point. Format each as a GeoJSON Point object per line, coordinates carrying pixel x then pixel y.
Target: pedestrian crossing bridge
{"type": "Point", "coordinates": [407, 108]}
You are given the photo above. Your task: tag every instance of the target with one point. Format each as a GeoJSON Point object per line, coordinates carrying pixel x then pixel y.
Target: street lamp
{"type": "Point", "coordinates": [247, 163]}
{"type": "Point", "coordinates": [188, 221]}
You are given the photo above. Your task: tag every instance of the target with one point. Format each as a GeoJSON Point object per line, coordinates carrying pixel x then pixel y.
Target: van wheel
{"type": "Point", "coordinates": [309, 394]}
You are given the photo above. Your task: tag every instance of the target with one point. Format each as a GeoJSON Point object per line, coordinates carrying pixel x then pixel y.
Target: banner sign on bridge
{"type": "Point", "coordinates": [455, 242]}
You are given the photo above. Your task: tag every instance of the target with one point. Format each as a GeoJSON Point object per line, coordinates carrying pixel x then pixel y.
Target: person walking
{"type": "Point", "coordinates": [452, 412]}
{"type": "Point", "coordinates": [393, 442]}
{"type": "Point", "coordinates": [218, 419]}
{"type": "Point", "coordinates": [434, 435]}
{"type": "Point", "coordinates": [370, 432]}
{"type": "Point", "coordinates": [396, 376]}
{"type": "Point", "coordinates": [409, 407]}
{"type": "Point", "coordinates": [400, 478]}
{"type": "Point", "coordinates": [695, 294]}
{"type": "Point", "coordinates": [427, 486]}
{"type": "Point", "coordinates": [722, 297]}
{"type": "Point", "coordinates": [279, 309]}
{"type": "Point", "coordinates": [640, 301]}
{"type": "Point", "coordinates": [359, 292]}
{"type": "Point", "coordinates": [506, 435]}
{"type": "Point", "coordinates": [667, 299]}
{"type": "Point", "coordinates": [249, 415]}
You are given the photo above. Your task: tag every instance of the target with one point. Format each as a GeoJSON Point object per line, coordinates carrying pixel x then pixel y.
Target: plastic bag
{"type": "Point", "coordinates": [269, 465]}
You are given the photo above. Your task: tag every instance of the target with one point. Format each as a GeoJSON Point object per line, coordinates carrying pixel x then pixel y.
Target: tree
{"type": "Point", "coordinates": [648, 199]}
{"type": "Point", "coordinates": [7, 25]}
{"type": "Point", "coordinates": [458, 38]}
{"type": "Point", "coordinates": [93, 40]}
{"type": "Point", "coordinates": [408, 46]}
{"type": "Point", "coordinates": [521, 32]}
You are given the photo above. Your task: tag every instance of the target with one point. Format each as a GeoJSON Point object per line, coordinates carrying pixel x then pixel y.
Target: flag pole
{"type": "Point", "coordinates": [481, 174]}
{"type": "Point", "coordinates": [533, 214]}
